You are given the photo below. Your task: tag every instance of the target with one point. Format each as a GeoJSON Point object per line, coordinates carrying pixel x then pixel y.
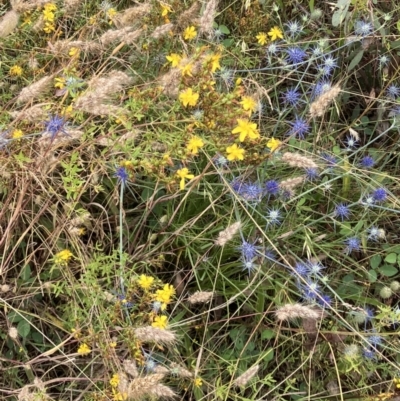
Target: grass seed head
{"type": "Point", "coordinates": [244, 378]}
{"type": "Point", "coordinates": [8, 23]}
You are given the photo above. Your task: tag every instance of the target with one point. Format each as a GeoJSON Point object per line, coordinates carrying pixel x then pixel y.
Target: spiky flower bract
{"type": "Point", "coordinates": [54, 126]}
{"type": "Point", "coordinates": [367, 162]}
{"type": "Point", "coordinates": [295, 55]}
{"type": "Point", "coordinates": [342, 211]}
{"type": "Point", "coordinates": [352, 244]}
{"type": "Point", "coordinates": [300, 128]}
{"type": "Point", "coordinates": [291, 97]}
{"type": "Point", "coordinates": [122, 175]}
{"type": "Point", "coordinates": [379, 195]}
{"type": "Point", "coordinates": [363, 28]}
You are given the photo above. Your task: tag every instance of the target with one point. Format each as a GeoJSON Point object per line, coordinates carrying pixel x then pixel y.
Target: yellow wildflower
{"type": "Point", "coordinates": [214, 60]}
{"type": "Point", "coordinates": [186, 69]}
{"type": "Point", "coordinates": [262, 38]}
{"type": "Point", "coordinates": [74, 51]}
{"type": "Point", "coordinates": [145, 282]}
{"type": "Point", "coordinates": [245, 128]}
{"type": "Point", "coordinates": [234, 153]}
{"type": "Point", "coordinates": [188, 97]}
{"type": "Point", "coordinates": [63, 257]}
{"type": "Point", "coordinates": [165, 9]}
{"type": "Point", "coordinates": [84, 349]}
{"type": "Point", "coordinates": [111, 12]}
{"type": "Point", "coordinates": [117, 396]}
{"type": "Point", "coordinates": [16, 71]}
{"type": "Point", "coordinates": [50, 7]}
{"type": "Point", "coordinates": [273, 144]}
{"type": "Point", "coordinates": [49, 27]}
{"type": "Point", "coordinates": [183, 174]}
{"type": "Point", "coordinates": [113, 344]}
{"type": "Point", "coordinates": [174, 59]}
{"type": "Point", "coordinates": [48, 16]}
{"type": "Point", "coordinates": [190, 33]}
{"type": "Point", "coordinates": [275, 33]}
{"type": "Point", "coordinates": [195, 144]}
{"type": "Point", "coordinates": [160, 322]}
{"type": "Point", "coordinates": [114, 381]}
{"type": "Point", "coordinates": [248, 104]}
{"type": "Point", "coordinates": [59, 83]}
{"type": "Point", "coordinates": [17, 134]}
{"type": "Point", "coordinates": [198, 382]}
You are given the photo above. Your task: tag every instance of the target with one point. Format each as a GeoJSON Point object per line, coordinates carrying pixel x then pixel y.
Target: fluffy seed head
{"type": "Point", "coordinates": [321, 104]}
{"type": "Point", "coordinates": [154, 334]}
{"type": "Point", "coordinates": [297, 160]}
{"type": "Point", "coordinates": [292, 311]}
{"type": "Point", "coordinates": [13, 333]}
{"type": "Point", "coordinates": [8, 23]}
{"type": "Point", "coordinates": [385, 292]}
{"type": "Point", "coordinates": [245, 377]}
{"type": "Point", "coordinates": [207, 19]}
{"type": "Point", "coordinates": [36, 89]}
{"type": "Point", "coordinates": [227, 234]}
{"type": "Point", "coordinates": [180, 370]}
{"type": "Point", "coordinates": [201, 297]}
{"type": "Point", "coordinates": [161, 31]}
{"type": "Point", "coordinates": [130, 367]}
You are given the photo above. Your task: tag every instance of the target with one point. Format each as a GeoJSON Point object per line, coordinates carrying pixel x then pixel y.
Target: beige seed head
{"type": "Point", "coordinates": [154, 334]}
{"type": "Point", "coordinates": [161, 31]}
{"type": "Point", "coordinates": [291, 183]}
{"type": "Point", "coordinates": [227, 234]}
{"type": "Point", "coordinates": [13, 333]}
{"type": "Point", "coordinates": [292, 311]}
{"type": "Point", "coordinates": [130, 367]}
{"type": "Point", "coordinates": [244, 378]}
{"type": "Point", "coordinates": [180, 370]}
{"type": "Point", "coordinates": [162, 391]}
{"type": "Point", "coordinates": [131, 15]}
{"type": "Point", "coordinates": [36, 89]}
{"type": "Point", "coordinates": [170, 83]}
{"type": "Point", "coordinates": [5, 288]}
{"type": "Point", "coordinates": [187, 17]}
{"type": "Point", "coordinates": [297, 160]}
{"type": "Point", "coordinates": [201, 297]}
{"type": "Point", "coordinates": [8, 23]}
{"type": "Point", "coordinates": [32, 114]}
{"type": "Point", "coordinates": [207, 19]}
{"type": "Point", "coordinates": [321, 104]}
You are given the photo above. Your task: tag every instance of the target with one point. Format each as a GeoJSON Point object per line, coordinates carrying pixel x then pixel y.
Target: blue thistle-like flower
{"type": "Point", "coordinates": [301, 270]}
{"type": "Point", "coordinates": [368, 201]}
{"type": "Point", "coordinates": [272, 187]}
{"type": "Point", "coordinates": [124, 301]}
{"type": "Point", "coordinates": [374, 233]}
{"type": "Point", "coordinates": [54, 126]}
{"type": "Point", "coordinates": [300, 128]}
{"type": "Point", "coordinates": [317, 51]}
{"type": "Point", "coordinates": [375, 340]}
{"type": "Point", "coordinates": [295, 55]}
{"type": "Point", "coordinates": [122, 175]}
{"type": "Point", "coordinates": [248, 250]}
{"type": "Point", "coordinates": [294, 28]}
{"type": "Point", "coordinates": [363, 28]}
{"type": "Point", "coordinates": [320, 88]}
{"type": "Point", "coordinates": [328, 65]}
{"type": "Point", "coordinates": [312, 173]}
{"type": "Point", "coordinates": [383, 60]}
{"type": "Point", "coordinates": [393, 91]}
{"type": "Point", "coordinates": [251, 192]}
{"type": "Point", "coordinates": [150, 365]}
{"type": "Point", "coordinates": [369, 353]}
{"type": "Point", "coordinates": [237, 185]}
{"type": "Point", "coordinates": [315, 268]}
{"type": "Point", "coordinates": [324, 300]}
{"type": "Point", "coordinates": [272, 48]}
{"type": "Point", "coordinates": [352, 244]}
{"type": "Point", "coordinates": [369, 313]}
{"type": "Point", "coordinates": [351, 142]}
{"type": "Point", "coordinates": [367, 162]}
{"type": "Point", "coordinates": [342, 211]}
{"type": "Point", "coordinates": [270, 254]}
{"type": "Point", "coordinates": [291, 97]}
{"type": "Point", "coordinates": [330, 160]}
{"type": "Point", "coordinates": [4, 140]}
{"type": "Point", "coordinates": [379, 195]}
{"type": "Point", "coordinates": [310, 290]}
{"type": "Point", "coordinates": [249, 265]}
{"type": "Point", "coordinates": [273, 217]}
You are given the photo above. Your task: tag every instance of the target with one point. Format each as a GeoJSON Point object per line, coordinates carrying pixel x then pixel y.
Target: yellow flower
{"type": "Point", "coordinates": [113, 344]}
{"type": "Point", "coordinates": [186, 69]}
{"type": "Point", "coordinates": [190, 33]}
{"type": "Point", "coordinates": [63, 257]}
{"type": "Point", "coordinates": [59, 83]}
{"type": "Point", "coordinates": [198, 382]}
{"type": "Point", "coordinates": [145, 282]}
{"type": "Point", "coordinates": [48, 16]}
{"type": "Point", "coordinates": [84, 349]}
{"type": "Point", "coordinates": [17, 134]}
{"type": "Point", "coordinates": [49, 27]}
{"type": "Point", "coordinates": [16, 71]}
{"type": "Point", "coordinates": [74, 51]}
{"type": "Point", "coordinates": [214, 59]}
{"type": "Point", "coordinates": [246, 128]}
{"type": "Point", "coordinates": [174, 59]}
{"type": "Point", "coordinates": [117, 396]}
{"type": "Point", "coordinates": [50, 7]}
{"type": "Point", "coordinates": [234, 153]}
{"type": "Point", "coordinates": [160, 322]}
{"type": "Point", "coordinates": [275, 33]}
{"type": "Point", "coordinates": [195, 144]}
{"type": "Point", "coordinates": [183, 174]}
{"type": "Point", "coordinates": [165, 9]}
{"type": "Point", "coordinates": [273, 144]}
{"type": "Point", "coordinates": [261, 38]}
{"type": "Point", "coordinates": [114, 381]}
{"type": "Point", "coordinates": [188, 97]}
{"type": "Point", "coordinates": [81, 231]}
{"type": "Point", "coordinates": [164, 296]}
{"type": "Point", "coordinates": [111, 12]}
{"type": "Point", "coordinates": [248, 104]}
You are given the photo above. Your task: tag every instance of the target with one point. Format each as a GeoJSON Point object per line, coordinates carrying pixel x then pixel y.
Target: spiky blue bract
{"type": "Point", "coordinates": [294, 28]}
{"type": "Point", "coordinates": [55, 125]}
{"type": "Point", "coordinates": [300, 128]}
{"type": "Point", "coordinates": [379, 195]}
{"type": "Point", "coordinates": [393, 91]}
{"type": "Point", "coordinates": [367, 162]}
{"type": "Point", "coordinates": [122, 175]}
{"type": "Point", "coordinates": [273, 217]}
{"type": "Point", "coordinates": [363, 28]}
{"type": "Point", "coordinates": [248, 250]}
{"type": "Point", "coordinates": [342, 211]}
{"type": "Point", "coordinates": [295, 55]}
{"type": "Point", "coordinates": [291, 97]}
{"type": "Point", "coordinates": [272, 187]}
{"type": "Point", "coordinates": [251, 192]}
{"type": "Point", "coordinates": [312, 173]}
{"type": "Point", "coordinates": [352, 244]}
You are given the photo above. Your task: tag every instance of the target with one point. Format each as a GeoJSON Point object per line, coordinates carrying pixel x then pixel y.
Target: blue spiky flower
{"type": "Point", "coordinates": [363, 28]}
{"type": "Point", "coordinates": [294, 28]}
{"type": "Point", "coordinates": [312, 173]}
{"type": "Point", "coordinates": [248, 250]}
{"type": "Point", "coordinates": [272, 187]}
{"type": "Point", "coordinates": [379, 195]}
{"type": "Point", "coordinates": [54, 126]}
{"type": "Point", "coordinates": [273, 217]}
{"type": "Point", "coordinates": [295, 55]}
{"type": "Point", "coordinates": [291, 97]}
{"type": "Point", "coordinates": [367, 162]}
{"type": "Point", "coordinates": [342, 211]}
{"type": "Point", "coordinates": [393, 91]}
{"type": "Point", "coordinates": [300, 127]}
{"type": "Point", "coordinates": [352, 244]}
{"type": "Point", "coordinates": [122, 175]}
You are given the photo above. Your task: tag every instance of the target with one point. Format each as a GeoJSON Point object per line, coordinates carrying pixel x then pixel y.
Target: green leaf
{"type": "Point", "coordinates": [14, 317]}
{"type": "Point", "coordinates": [267, 334]}
{"type": "Point", "coordinates": [224, 29]}
{"type": "Point", "coordinates": [269, 356]}
{"type": "Point", "coordinates": [388, 270]}
{"type": "Point", "coordinates": [375, 261]}
{"type": "Point", "coordinates": [26, 273]}
{"type": "Point", "coordinates": [391, 258]}
{"type": "Point", "coordinates": [372, 276]}
{"type": "Point", "coordinates": [357, 58]}
{"type": "Point", "coordinates": [23, 328]}
{"type": "Point", "coordinates": [340, 14]}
